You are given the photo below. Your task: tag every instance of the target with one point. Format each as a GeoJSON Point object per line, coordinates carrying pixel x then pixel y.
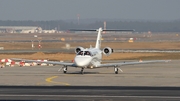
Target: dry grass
{"type": "Point", "coordinates": [114, 45]}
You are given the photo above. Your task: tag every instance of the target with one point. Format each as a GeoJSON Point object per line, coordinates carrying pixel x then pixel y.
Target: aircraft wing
{"type": "Point", "coordinates": [48, 62]}
{"type": "Point", "coordinates": [130, 63]}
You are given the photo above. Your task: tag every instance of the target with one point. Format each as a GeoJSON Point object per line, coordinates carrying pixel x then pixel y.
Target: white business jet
{"type": "Point", "coordinates": [91, 57]}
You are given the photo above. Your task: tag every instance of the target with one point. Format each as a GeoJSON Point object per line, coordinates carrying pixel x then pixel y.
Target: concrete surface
{"type": "Point", "coordinates": [158, 74]}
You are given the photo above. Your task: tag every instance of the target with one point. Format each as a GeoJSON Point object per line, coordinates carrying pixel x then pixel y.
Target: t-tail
{"type": "Point", "coordinates": [99, 36]}
{"type": "Point", "coordinates": [98, 40]}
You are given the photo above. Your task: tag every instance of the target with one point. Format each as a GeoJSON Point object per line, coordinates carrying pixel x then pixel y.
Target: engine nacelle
{"type": "Point", "coordinates": [78, 49]}
{"type": "Point", "coordinates": [107, 51]}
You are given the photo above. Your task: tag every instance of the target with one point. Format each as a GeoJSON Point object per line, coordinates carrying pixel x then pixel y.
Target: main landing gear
{"type": "Point", "coordinates": [117, 69]}
{"type": "Point", "coordinates": [64, 69]}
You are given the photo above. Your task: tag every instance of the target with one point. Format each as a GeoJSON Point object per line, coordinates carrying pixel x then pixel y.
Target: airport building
{"type": "Point", "coordinates": [24, 29]}
{"type": "Point", "coordinates": [20, 29]}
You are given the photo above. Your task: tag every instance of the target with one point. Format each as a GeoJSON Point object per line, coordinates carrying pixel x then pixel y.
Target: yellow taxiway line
{"type": "Point", "coordinates": [49, 80]}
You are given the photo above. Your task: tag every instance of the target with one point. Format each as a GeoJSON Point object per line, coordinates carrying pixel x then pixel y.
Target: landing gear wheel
{"type": "Point", "coordinates": [65, 70]}
{"type": "Point", "coordinates": [82, 70]}
{"type": "Point", "coordinates": [116, 70]}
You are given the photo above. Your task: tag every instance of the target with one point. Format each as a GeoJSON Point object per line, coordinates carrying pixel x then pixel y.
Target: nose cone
{"type": "Point", "coordinates": [82, 61]}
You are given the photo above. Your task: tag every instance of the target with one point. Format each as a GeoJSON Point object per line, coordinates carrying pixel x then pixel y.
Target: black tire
{"type": "Point", "coordinates": [65, 72]}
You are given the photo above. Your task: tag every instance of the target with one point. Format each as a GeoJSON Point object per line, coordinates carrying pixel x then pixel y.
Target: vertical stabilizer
{"type": "Point", "coordinates": [98, 40]}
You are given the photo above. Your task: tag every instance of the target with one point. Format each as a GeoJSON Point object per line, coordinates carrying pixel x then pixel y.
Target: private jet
{"type": "Point", "coordinates": [92, 57]}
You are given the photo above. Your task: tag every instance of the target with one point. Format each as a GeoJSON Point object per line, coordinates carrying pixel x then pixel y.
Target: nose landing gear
{"type": "Point", "coordinates": [82, 70]}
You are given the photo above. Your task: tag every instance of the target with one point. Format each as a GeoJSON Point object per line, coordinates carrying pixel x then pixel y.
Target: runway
{"type": "Point", "coordinates": [137, 82]}
{"type": "Point", "coordinates": [89, 93]}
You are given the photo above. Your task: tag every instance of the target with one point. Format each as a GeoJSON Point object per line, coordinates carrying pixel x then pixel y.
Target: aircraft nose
{"type": "Point", "coordinates": [82, 61]}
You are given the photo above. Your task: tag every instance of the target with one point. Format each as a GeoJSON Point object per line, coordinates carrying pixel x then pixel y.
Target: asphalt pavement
{"type": "Point", "coordinates": [143, 82]}
{"type": "Point", "coordinates": [90, 93]}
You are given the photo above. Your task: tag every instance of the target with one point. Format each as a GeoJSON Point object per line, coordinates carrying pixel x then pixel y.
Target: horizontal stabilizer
{"type": "Point", "coordinates": [102, 30]}
{"type": "Point", "coordinates": [118, 30]}
{"type": "Point", "coordinates": [82, 29]}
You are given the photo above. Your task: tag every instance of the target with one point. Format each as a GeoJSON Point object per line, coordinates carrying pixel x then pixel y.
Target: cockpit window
{"type": "Point", "coordinates": [80, 53]}
{"type": "Point", "coordinates": [87, 53]}
{"type": "Point", "coordinates": [84, 53]}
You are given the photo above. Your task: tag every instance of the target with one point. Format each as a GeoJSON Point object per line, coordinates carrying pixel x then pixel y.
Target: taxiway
{"type": "Point", "coordinates": [37, 82]}
{"type": "Point", "coordinates": [156, 74]}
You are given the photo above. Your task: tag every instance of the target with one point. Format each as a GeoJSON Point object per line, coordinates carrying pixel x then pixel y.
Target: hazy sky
{"type": "Point", "coordinates": [110, 9]}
